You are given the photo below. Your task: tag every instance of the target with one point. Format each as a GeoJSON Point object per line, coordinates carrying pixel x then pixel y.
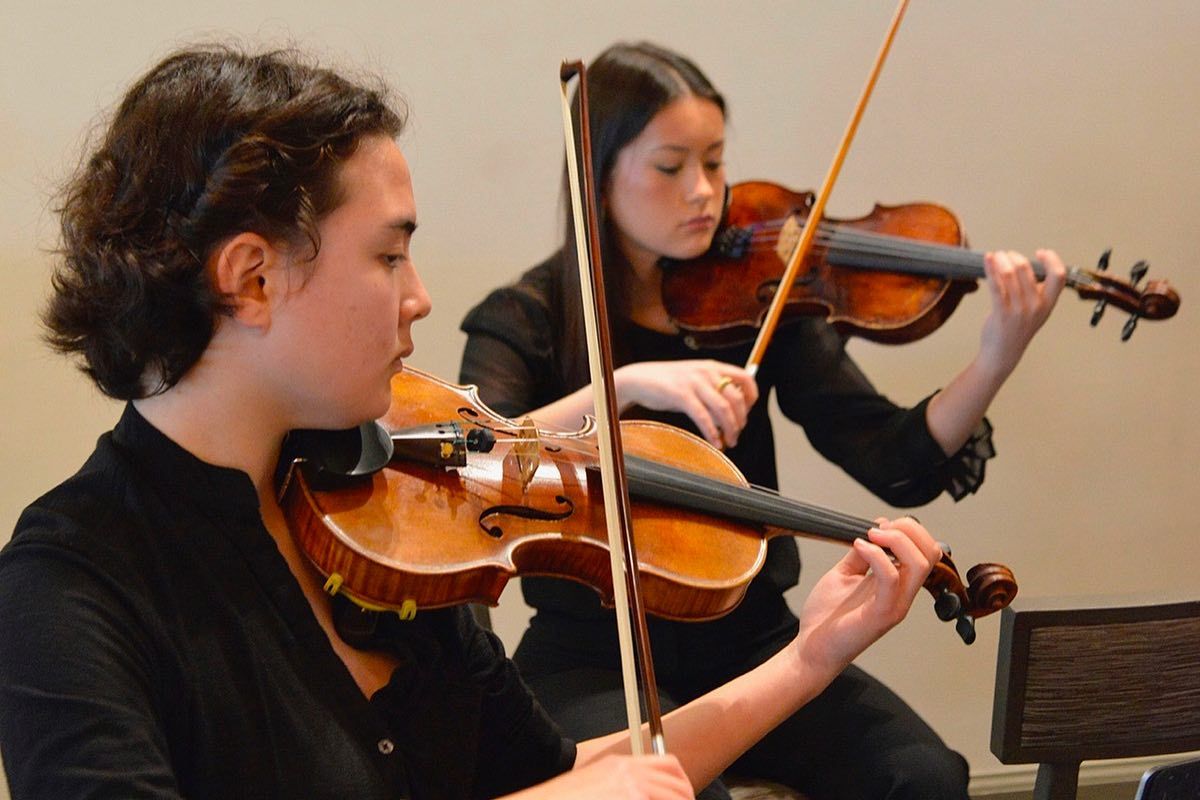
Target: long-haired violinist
{"type": "Point", "coordinates": [659, 130]}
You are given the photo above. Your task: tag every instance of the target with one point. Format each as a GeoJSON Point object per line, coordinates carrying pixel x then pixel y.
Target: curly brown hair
{"type": "Point", "coordinates": [210, 143]}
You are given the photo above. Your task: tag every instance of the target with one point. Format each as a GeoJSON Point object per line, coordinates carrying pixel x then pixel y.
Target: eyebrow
{"type": "Point", "coordinates": [679, 148]}
{"type": "Point", "coordinates": [404, 225]}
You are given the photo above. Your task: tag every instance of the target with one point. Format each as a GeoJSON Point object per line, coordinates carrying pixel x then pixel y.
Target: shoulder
{"type": "Point", "coordinates": [80, 540]}
{"type": "Point", "coordinates": [72, 574]}
{"type": "Point", "coordinates": [86, 672]}
{"type": "Point", "coordinates": [71, 516]}
{"type": "Point", "coordinates": [527, 302]}
{"type": "Point", "coordinates": [58, 571]}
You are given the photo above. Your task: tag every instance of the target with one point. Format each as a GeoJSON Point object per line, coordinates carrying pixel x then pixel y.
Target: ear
{"type": "Point", "coordinates": [246, 269]}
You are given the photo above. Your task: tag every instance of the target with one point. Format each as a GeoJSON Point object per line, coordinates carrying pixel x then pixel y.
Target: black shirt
{"type": "Point", "coordinates": [154, 643]}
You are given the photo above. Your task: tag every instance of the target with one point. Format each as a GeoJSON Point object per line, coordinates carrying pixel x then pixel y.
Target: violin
{"type": "Point", "coordinates": [466, 499]}
{"type": "Point", "coordinates": [892, 276]}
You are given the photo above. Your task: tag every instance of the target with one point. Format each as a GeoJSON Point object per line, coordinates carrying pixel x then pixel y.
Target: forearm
{"type": "Point", "coordinates": [709, 733]}
{"type": "Point", "coordinates": [954, 413]}
{"type": "Point", "coordinates": [1020, 305]}
{"type": "Point", "coordinates": [567, 413]}
{"type": "Point", "coordinates": [863, 596]}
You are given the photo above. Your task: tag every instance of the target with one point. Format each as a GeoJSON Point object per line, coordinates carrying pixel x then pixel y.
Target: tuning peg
{"type": "Point", "coordinates": [1101, 304]}
{"type": "Point", "coordinates": [1136, 273]}
{"type": "Point", "coordinates": [966, 628]}
{"type": "Point", "coordinates": [947, 605]}
{"type": "Point", "coordinates": [1127, 330]}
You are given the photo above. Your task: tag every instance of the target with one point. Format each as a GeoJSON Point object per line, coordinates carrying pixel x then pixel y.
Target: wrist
{"type": "Point", "coordinates": [992, 368]}
{"type": "Point", "coordinates": [622, 388]}
{"type": "Point", "coordinates": [625, 384]}
{"type": "Point", "coordinates": [808, 669]}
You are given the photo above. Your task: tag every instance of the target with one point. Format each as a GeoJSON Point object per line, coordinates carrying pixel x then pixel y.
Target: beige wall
{"type": "Point", "coordinates": [1072, 124]}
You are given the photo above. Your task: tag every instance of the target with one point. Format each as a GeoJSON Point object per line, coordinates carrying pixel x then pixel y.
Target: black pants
{"type": "Point", "coordinates": [856, 740]}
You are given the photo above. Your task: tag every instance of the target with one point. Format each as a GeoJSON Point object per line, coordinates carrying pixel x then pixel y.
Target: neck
{"type": "Point", "coordinates": [643, 295]}
{"type": "Point", "coordinates": [224, 424]}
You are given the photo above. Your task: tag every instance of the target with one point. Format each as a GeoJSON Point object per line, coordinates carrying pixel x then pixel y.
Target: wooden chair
{"type": "Point", "coordinates": [1079, 680]}
{"type": "Point", "coordinates": [1179, 780]}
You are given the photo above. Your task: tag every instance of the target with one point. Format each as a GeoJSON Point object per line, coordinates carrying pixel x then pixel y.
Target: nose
{"type": "Point", "coordinates": [702, 188]}
{"type": "Point", "coordinates": [416, 304]}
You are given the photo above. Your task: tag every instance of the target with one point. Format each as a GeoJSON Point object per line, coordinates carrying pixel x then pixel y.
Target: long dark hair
{"type": "Point", "coordinates": [627, 85]}
{"type": "Point", "coordinates": [209, 143]}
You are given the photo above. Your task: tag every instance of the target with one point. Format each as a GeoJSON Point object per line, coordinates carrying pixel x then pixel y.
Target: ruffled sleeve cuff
{"type": "Point", "coordinates": [928, 470]}
{"type": "Point", "coordinates": [962, 473]}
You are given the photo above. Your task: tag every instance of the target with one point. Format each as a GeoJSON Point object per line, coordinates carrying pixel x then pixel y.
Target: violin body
{"type": "Point", "coordinates": [722, 296]}
{"type": "Point", "coordinates": [892, 276]}
{"type": "Point", "coordinates": [419, 535]}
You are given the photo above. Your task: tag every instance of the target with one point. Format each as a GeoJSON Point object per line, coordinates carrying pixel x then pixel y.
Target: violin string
{"type": "Point", "coordinates": [879, 243]}
{"type": "Point", "coordinates": [956, 261]}
{"type": "Point", "coordinates": [733, 501]}
{"type": "Point", "coordinates": [900, 252]}
{"type": "Point", "coordinates": [671, 484]}
{"type": "Point", "coordinates": [765, 232]}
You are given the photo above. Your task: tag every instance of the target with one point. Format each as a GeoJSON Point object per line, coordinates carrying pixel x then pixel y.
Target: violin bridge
{"type": "Point", "coordinates": [524, 452]}
{"type": "Point", "coordinates": [789, 237]}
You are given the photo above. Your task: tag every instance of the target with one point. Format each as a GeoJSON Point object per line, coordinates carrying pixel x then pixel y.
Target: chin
{"type": "Point", "coordinates": [690, 251]}
{"type": "Point", "coordinates": [378, 408]}
{"type": "Point", "coordinates": [353, 414]}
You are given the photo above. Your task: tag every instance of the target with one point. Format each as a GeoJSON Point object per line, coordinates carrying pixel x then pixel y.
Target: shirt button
{"type": "Point", "coordinates": [386, 746]}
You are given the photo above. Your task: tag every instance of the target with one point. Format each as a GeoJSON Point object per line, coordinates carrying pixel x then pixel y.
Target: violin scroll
{"type": "Point", "coordinates": [990, 587]}
{"type": "Point", "coordinates": [1156, 300]}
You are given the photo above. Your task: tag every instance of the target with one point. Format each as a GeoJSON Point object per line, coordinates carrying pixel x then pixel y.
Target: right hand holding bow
{"type": "Point", "coordinates": [715, 395]}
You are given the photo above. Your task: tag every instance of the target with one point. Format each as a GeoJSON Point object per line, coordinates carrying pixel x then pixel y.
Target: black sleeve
{"type": "Point", "coordinates": [885, 447]}
{"type": "Point", "coordinates": [519, 745]}
{"type": "Point", "coordinates": [77, 682]}
{"type": "Point", "coordinates": [509, 354]}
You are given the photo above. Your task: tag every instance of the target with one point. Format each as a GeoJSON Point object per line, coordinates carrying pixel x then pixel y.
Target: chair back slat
{"type": "Point", "coordinates": [1112, 680]}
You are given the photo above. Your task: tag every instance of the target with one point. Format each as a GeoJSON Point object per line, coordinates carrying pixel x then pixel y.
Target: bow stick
{"type": "Point", "coordinates": [809, 232]}
{"type": "Point", "coordinates": [627, 596]}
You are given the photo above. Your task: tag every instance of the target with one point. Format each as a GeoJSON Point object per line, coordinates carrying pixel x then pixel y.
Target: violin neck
{"type": "Point", "coordinates": [849, 247]}
{"type": "Point", "coordinates": [650, 480]}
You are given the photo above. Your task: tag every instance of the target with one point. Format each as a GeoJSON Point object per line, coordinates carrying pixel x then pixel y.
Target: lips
{"type": "Point", "coordinates": [398, 361]}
